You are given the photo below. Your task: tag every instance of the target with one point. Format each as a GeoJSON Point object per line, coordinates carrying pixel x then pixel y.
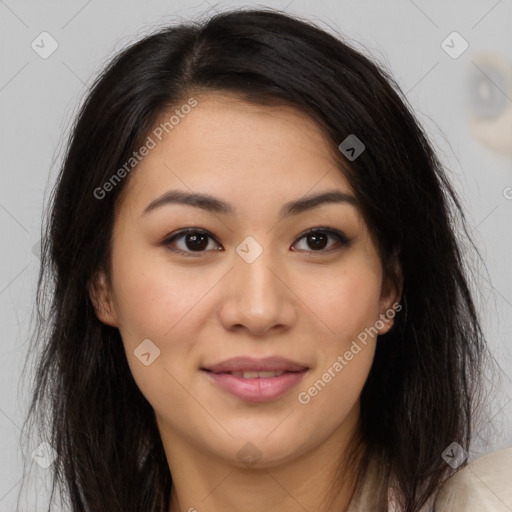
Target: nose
{"type": "Point", "coordinates": [256, 297]}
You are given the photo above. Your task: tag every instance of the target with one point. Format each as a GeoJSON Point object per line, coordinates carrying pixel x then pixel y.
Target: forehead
{"type": "Point", "coordinates": [228, 147]}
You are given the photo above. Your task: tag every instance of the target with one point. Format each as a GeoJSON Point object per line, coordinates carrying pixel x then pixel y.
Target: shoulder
{"type": "Point", "coordinates": [485, 484]}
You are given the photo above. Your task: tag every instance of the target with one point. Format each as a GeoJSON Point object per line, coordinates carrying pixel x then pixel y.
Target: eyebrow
{"type": "Point", "coordinates": [215, 205]}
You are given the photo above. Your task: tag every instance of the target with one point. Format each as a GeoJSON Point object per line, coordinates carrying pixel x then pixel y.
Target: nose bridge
{"type": "Point", "coordinates": [253, 266]}
{"type": "Point", "coordinates": [256, 296]}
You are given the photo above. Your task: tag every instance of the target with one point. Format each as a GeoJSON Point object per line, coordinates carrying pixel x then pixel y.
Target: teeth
{"type": "Point", "coordinates": [254, 375]}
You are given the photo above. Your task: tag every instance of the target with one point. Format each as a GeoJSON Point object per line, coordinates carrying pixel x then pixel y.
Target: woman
{"type": "Point", "coordinates": [259, 299]}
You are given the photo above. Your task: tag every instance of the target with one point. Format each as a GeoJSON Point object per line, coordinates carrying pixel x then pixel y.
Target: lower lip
{"type": "Point", "coordinates": [257, 389]}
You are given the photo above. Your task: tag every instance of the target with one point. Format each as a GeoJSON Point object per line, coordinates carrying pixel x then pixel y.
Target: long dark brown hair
{"type": "Point", "coordinates": [425, 383]}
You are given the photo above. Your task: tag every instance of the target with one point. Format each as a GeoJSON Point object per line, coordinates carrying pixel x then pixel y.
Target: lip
{"type": "Point", "coordinates": [251, 364]}
{"type": "Point", "coordinates": [256, 389]}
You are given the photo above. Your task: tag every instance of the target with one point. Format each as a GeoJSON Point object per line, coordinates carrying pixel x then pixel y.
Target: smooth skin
{"type": "Point", "coordinates": [300, 300]}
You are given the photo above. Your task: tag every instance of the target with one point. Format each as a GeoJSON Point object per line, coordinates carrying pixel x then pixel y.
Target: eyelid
{"type": "Point", "coordinates": [343, 240]}
{"type": "Point", "coordinates": [183, 232]}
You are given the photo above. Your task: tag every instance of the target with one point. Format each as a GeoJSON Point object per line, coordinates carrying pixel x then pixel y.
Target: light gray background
{"type": "Point", "coordinates": [39, 97]}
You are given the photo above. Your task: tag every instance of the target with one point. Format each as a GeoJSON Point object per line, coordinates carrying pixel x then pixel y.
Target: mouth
{"type": "Point", "coordinates": [265, 367]}
{"type": "Point", "coordinates": [253, 380]}
{"type": "Point", "coordinates": [254, 375]}
{"type": "Point", "coordinates": [256, 386]}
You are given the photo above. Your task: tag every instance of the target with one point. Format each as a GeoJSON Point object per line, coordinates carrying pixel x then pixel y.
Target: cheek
{"type": "Point", "coordinates": [347, 304]}
{"type": "Point", "coordinates": [151, 298]}
{"type": "Point", "coordinates": [333, 391]}
{"type": "Point", "coordinates": [349, 307]}
{"type": "Point", "coordinates": [155, 304]}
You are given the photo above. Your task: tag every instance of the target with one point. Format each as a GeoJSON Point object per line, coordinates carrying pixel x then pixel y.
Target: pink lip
{"type": "Point", "coordinates": [250, 364]}
{"type": "Point", "coordinates": [257, 389]}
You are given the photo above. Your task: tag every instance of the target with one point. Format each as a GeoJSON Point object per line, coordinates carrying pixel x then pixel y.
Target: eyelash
{"type": "Point", "coordinates": [343, 241]}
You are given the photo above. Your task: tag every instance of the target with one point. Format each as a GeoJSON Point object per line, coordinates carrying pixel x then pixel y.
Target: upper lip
{"type": "Point", "coordinates": [250, 364]}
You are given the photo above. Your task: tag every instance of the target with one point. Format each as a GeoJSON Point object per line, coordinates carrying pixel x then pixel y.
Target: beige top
{"type": "Point", "coordinates": [484, 485]}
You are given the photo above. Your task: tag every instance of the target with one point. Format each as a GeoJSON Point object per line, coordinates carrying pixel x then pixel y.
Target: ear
{"type": "Point", "coordinates": [391, 294]}
{"type": "Point", "coordinates": [101, 297]}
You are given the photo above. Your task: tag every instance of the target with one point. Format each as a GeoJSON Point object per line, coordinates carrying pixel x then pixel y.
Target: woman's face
{"type": "Point", "coordinates": [247, 282]}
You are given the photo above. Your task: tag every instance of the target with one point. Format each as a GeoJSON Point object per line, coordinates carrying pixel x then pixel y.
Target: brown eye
{"type": "Point", "coordinates": [317, 240]}
{"type": "Point", "coordinates": [194, 240]}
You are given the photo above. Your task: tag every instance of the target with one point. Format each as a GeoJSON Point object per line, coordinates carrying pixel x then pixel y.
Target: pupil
{"type": "Point", "coordinates": [194, 238]}
{"type": "Point", "coordinates": [315, 240]}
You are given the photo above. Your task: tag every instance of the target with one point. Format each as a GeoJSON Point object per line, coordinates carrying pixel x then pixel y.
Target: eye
{"type": "Point", "coordinates": [317, 239]}
{"type": "Point", "coordinates": [197, 241]}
